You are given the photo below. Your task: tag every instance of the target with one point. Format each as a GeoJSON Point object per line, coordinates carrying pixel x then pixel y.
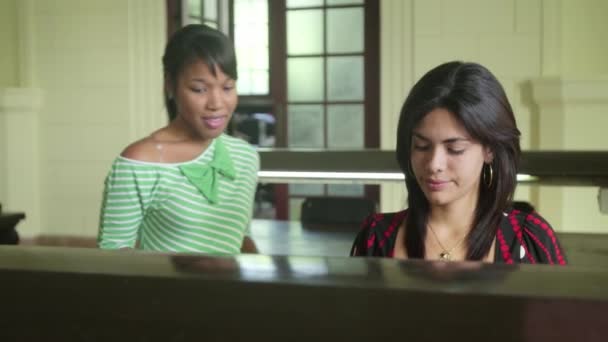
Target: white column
{"type": "Point", "coordinates": [146, 34]}
{"type": "Point", "coordinates": [19, 108]}
{"type": "Point", "coordinates": [27, 48]}
{"type": "Point", "coordinates": [571, 117]}
{"type": "Point", "coordinates": [547, 97]}
{"type": "Point", "coordinates": [551, 62]}
{"type": "Point", "coordinates": [396, 77]}
{"type": "Point", "coordinates": [547, 124]}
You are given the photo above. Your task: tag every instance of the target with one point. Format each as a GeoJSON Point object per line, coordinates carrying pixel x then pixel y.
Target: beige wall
{"type": "Point", "coordinates": [522, 42]}
{"type": "Point", "coordinates": [8, 43]}
{"type": "Point", "coordinates": [82, 66]}
{"type": "Point", "coordinates": [8, 70]}
{"type": "Point", "coordinates": [584, 29]}
{"type": "Point", "coordinates": [97, 65]}
{"type": "Point", "coordinates": [504, 35]}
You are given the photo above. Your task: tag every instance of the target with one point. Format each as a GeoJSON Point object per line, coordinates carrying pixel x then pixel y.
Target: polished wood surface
{"type": "Point", "coordinates": [293, 238]}
{"type": "Point", "coordinates": [74, 294]}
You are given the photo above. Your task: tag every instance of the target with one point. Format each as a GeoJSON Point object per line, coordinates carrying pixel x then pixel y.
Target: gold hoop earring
{"type": "Point", "coordinates": [488, 179]}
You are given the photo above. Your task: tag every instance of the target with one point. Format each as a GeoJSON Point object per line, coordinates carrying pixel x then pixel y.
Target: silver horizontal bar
{"type": "Point", "coordinates": [582, 168]}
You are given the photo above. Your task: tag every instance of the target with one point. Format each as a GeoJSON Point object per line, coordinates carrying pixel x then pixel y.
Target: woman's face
{"type": "Point", "coordinates": [205, 102]}
{"type": "Point", "coordinates": [446, 161]}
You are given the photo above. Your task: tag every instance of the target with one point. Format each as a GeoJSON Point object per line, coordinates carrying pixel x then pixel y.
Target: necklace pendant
{"type": "Point", "coordinates": [445, 256]}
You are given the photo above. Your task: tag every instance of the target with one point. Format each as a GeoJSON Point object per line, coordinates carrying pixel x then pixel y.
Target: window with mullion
{"type": "Point", "coordinates": [326, 85]}
{"type": "Point", "coordinates": [201, 12]}
{"type": "Point", "coordinates": [312, 92]}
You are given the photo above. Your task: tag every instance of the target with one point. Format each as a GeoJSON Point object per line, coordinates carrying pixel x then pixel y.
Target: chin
{"type": "Point", "coordinates": [210, 134]}
{"type": "Point", "coordinates": [436, 199]}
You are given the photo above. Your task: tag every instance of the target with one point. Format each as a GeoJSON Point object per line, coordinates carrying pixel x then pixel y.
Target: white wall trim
{"type": "Point", "coordinates": [397, 77]}
{"type": "Point", "coordinates": [557, 90]}
{"type": "Point", "coordinates": [20, 174]}
{"type": "Point", "coordinates": [26, 44]}
{"type": "Point", "coordinates": [20, 100]}
{"type": "Point", "coordinates": [146, 36]}
{"type": "Point", "coordinates": [551, 49]}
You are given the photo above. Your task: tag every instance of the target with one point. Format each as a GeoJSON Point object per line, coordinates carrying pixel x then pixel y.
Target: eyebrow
{"type": "Point", "coordinates": [202, 80]}
{"type": "Point", "coordinates": [446, 141]}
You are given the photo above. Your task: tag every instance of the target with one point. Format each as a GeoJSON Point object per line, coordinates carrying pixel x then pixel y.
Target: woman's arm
{"type": "Point", "coordinates": [249, 246]}
{"type": "Point", "coordinates": [121, 210]}
{"type": "Point", "coordinates": [540, 243]}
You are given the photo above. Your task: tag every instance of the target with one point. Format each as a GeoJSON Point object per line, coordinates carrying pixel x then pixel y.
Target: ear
{"type": "Point", "coordinates": [488, 155]}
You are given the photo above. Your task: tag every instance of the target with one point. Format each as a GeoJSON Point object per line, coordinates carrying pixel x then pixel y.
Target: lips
{"type": "Point", "coordinates": [215, 121]}
{"type": "Point", "coordinates": [436, 185]}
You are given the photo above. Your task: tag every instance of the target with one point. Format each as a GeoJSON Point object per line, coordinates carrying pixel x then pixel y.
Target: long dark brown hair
{"type": "Point", "coordinates": [471, 93]}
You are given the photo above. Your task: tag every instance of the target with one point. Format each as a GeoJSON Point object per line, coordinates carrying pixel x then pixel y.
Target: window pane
{"type": "Point", "coordinates": [193, 20]}
{"type": "Point", "coordinates": [251, 44]}
{"type": "Point", "coordinates": [345, 126]}
{"type": "Point", "coordinates": [345, 30]}
{"type": "Point", "coordinates": [305, 79]}
{"type": "Point", "coordinates": [304, 32]}
{"type": "Point", "coordinates": [305, 126]}
{"type": "Point", "coordinates": [259, 82]}
{"type": "Point", "coordinates": [305, 189]}
{"type": "Point", "coordinates": [343, 2]}
{"type": "Point", "coordinates": [210, 10]}
{"type": "Point", "coordinates": [244, 84]}
{"type": "Point", "coordinates": [348, 190]}
{"type": "Point", "coordinates": [303, 3]}
{"type": "Point", "coordinates": [345, 78]}
{"type": "Point", "coordinates": [194, 8]}
{"type": "Point", "coordinates": [259, 54]}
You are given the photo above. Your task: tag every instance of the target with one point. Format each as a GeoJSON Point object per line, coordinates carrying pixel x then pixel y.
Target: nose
{"type": "Point", "coordinates": [214, 100]}
{"type": "Point", "coordinates": [436, 160]}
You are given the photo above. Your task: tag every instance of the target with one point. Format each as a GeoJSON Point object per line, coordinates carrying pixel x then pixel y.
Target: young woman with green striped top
{"type": "Point", "coordinates": [187, 187]}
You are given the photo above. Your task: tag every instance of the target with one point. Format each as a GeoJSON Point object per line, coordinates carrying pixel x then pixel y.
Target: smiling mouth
{"type": "Point", "coordinates": [214, 122]}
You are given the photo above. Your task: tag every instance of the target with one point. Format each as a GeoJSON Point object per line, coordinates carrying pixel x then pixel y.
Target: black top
{"type": "Point", "coordinates": [522, 237]}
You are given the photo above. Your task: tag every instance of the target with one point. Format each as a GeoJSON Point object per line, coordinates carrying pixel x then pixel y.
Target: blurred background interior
{"type": "Point", "coordinates": [80, 79]}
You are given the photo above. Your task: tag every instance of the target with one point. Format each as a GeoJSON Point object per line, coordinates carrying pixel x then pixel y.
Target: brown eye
{"type": "Point", "coordinates": [421, 147]}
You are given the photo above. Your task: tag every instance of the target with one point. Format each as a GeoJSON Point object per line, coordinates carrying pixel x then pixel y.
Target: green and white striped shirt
{"type": "Point", "coordinates": [203, 205]}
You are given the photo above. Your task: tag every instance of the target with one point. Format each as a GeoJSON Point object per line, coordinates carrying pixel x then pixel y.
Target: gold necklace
{"type": "Point", "coordinates": [446, 254]}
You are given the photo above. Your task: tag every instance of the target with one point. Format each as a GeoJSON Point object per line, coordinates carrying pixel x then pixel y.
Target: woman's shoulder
{"type": "Point", "coordinates": [233, 143]}
{"type": "Point", "coordinates": [378, 233]}
{"type": "Point", "coordinates": [381, 222]}
{"type": "Point", "coordinates": [537, 241]}
{"type": "Point", "coordinates": [531, 220]}
{"type": "Point", "coordinates": [141, 150]}
{"type": "Point", "coordinates": [239, 147]}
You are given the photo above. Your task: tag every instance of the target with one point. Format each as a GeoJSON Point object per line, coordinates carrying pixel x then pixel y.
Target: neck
{"type": "Point", "coordinates": [179, 131]}
{"type": "Point", "coordinates": [454, 219]}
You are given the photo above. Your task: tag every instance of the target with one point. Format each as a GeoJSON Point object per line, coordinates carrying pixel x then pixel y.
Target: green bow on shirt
{"type": "Point", "coordinates": [206, 177]}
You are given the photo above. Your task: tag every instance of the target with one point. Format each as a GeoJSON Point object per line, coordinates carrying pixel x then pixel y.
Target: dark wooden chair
{"type": "Point", "coordinates": [336, 211]}
{"type": "Point", "coordinates": [8, 231]}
